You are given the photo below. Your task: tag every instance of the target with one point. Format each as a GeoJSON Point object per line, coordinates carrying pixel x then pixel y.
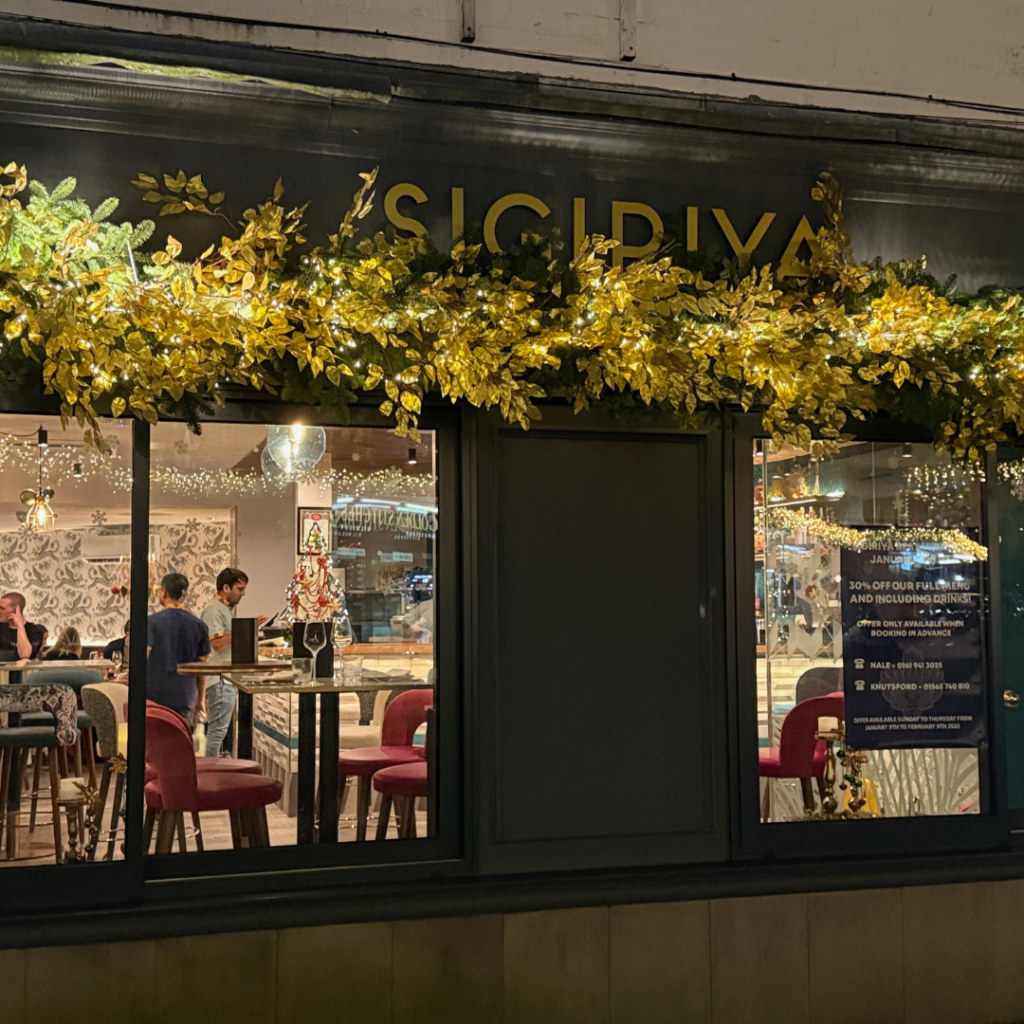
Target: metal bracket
{"type": "Point", "coordinates": [627, 29]}
{"type": "Point", "coordinates": [469, 21]}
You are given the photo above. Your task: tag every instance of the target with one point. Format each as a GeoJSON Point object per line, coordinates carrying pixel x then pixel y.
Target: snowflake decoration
{"type": "Point", "coordinates": [192, 525]}
{"type": "Point", "coordinates": [99, 517]}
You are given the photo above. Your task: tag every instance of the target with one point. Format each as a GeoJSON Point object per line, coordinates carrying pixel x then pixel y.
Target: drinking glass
{"type": "Point", "coordinates": [314, 636]}
{"type": "Point", "coordinates": [116, 657]}
{"type": "Point", "coordinates": [302, 670]}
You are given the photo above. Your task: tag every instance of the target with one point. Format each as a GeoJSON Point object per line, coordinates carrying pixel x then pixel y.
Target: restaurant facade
{"type": "Point", "coordinates": [715, 725]}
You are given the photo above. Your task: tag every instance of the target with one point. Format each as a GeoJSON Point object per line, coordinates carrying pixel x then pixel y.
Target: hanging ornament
{"type": "Point", "coordinates": [296, 449]}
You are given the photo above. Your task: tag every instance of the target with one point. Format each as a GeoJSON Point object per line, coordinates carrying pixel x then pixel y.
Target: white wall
{"type": "Point", "coordinates": [803, 51]}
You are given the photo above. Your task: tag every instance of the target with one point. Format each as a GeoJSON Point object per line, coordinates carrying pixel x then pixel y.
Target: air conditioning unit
{"type": "Point", "coordinates": [109, 544]}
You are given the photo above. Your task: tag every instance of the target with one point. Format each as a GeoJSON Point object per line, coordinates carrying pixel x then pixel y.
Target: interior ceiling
{"type": "Point", "coordinates": [221, 446]}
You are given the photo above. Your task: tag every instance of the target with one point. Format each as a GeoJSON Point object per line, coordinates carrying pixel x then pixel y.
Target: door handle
{"type": "Point", "coordinates": [1011, 698]}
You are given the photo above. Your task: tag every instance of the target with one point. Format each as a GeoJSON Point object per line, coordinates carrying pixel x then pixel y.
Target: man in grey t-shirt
{"type": "Point", "coordinates": [220, 694]}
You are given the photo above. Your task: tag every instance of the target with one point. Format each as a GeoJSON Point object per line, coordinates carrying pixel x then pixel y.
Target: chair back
{"type": "Point", "coordinates": [797, 742]}
{"type": "Point", "coordinates": [404, 715]}
{"type": "Point", "coordinates": [818, 682]}
{"type": "Point", "coordinates": [103, 703]}
{"type": "Point", "coordinates": [76, 678]}
{"type": "Point", "coordinates": [349, 709]}
{"type": "Point", "coordinates": [170, 751]}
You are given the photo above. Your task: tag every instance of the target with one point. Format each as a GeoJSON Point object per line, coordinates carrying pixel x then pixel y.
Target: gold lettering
{"type": "Point", "coordinates": [743, 250]}
{"type": "Point", "coordinates": [458, 213]}
{"type": "Point", "coordinates": [579, 224]}
{"type": "Point", "coordinates": [619, 213]}
{"type": "Point", "coordinates": [506, 203]}
{"type": "Point", "coordinates": [402, 191]}
{"type": "Point", "coordinates": [691, 229]}
{"type": "Point", "coordinates": [789, 265]}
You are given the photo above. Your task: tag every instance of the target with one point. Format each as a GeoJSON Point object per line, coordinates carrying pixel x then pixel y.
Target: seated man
{"type": "Point", "coordinates": [176, 636]}
{"type": "Point", "coordinates": [18, 638]}
{"type": "Point", "coordinates": [118, 645]}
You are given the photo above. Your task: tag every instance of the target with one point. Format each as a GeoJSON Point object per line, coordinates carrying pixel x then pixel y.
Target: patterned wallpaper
{"type": "Point", "coordinates": [62, 589]}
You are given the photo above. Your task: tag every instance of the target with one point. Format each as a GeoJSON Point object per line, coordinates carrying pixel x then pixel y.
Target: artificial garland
{"type": "Point", "coordinates": [110, 328]}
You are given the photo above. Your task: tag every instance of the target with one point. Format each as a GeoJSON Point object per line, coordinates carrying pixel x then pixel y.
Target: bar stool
{"type": "Point", "coordinates": [103, 702]}
{"type": "Point", "coordinates": [179, 787]}
{"type": "Point", "coordinates": [404, 715]}
{"type": "Point", "coordinates": [21, 740]}
{"type": "Point", "coordinates": [77, 679]}
{"type": "Point", "coordinates": [402, 784]}
{"type": "Point", "coordinates": [237, 765]}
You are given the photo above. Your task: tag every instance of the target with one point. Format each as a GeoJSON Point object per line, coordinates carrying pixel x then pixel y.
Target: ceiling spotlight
{"type": "Point", "coordinates": [412, 460]}
{"type": "Point", "coordinates": [43, 440]}
{"type": "Point", "coordinates": [76, 469]}
{"type": "Point", "coordinates": [908, 452]}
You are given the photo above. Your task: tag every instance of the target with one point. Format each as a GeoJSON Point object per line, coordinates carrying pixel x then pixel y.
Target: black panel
{"type": "Point", "coordinates": [603, 710]}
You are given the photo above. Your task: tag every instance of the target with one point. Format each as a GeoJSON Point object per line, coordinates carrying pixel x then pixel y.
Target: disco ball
{"type": "Point", "coordinates": [295, 449]}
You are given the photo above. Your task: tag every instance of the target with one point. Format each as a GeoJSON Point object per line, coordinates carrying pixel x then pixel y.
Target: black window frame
{"type": "Point", "coordinates": [142, 878]}
{"type": "Point", "coordinates": [875, 838]}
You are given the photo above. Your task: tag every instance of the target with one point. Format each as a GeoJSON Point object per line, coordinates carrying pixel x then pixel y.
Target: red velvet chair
{"type": "Point", "coordinates": [180, 788]}
{"type": "Point", "coordinates": [404, 715]}
{"type": "Point", "coordinates": [799, 755]}
{"type": "Point", "coordinates": [203, 764]}
{"type": "Point", "coordinates": [402, 785]}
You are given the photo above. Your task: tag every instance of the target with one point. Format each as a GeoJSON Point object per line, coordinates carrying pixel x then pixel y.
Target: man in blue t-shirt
{"type": "Point", "coordinates": [176, 636]}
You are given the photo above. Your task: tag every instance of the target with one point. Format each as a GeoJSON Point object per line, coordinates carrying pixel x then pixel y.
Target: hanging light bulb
{"type": "Point", "coordinates": [296, 449]}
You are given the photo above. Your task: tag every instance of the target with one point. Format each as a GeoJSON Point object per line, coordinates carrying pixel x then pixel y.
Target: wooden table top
{"type": "Point", "coordinates": [26, 665]}
{"type": "Point", "coordinates": [283, 682]}
{"type": "Point", "coordinates": [206, 668]}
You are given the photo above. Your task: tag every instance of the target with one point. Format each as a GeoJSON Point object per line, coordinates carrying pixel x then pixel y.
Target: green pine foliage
{"type": "Point", "coordinates": [56, 229]}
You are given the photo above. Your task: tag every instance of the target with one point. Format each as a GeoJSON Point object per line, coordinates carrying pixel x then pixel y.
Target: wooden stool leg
{"type": "Point", "coordinates": [410, 818]}
{"type": "Point", "coordinates": [182, 845]}
{"type": "Point", "coordinates": [37, 765]}
{"type": "Point", "coordinates": [385, 814]}
{"type": "Point", "coordinates": [62, 762]}
{"type": "Point", "coordinates": [766, 803]}
{"type": "Point", "coordinates": [198, 830]}
{"type": "Point", "coordinates": [165, 831]}
{"type": "Point", "coordinates": [115, 818]}
{"type": "Point", "coordinates": [147, 828]}
{"type": "Point", "coordinates": [90, 755]}
{"type": "Point", "coordinates": [808, 794]}
{"type": "Point", "coordinates": [236, 830]}
{"type": "Point", "coordinates": [5, 782]}
{"type": "Point", "coordinates": [58, 843]}
{"type": "Point", "coordinates": [363, 806]}
{"type": "Point", "coordinates": [260, 834]}
{"type": "Point", "coordinates": [97, 824]}
{"type": "Point", "coordinates": [78, 757]}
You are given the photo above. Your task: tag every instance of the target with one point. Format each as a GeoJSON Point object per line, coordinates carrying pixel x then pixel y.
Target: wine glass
{"type": "Point", "coordinates": [314, 636]}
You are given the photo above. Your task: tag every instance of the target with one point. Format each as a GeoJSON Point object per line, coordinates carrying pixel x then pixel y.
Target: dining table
{"type": "Point", "coordinates": [277, 677]}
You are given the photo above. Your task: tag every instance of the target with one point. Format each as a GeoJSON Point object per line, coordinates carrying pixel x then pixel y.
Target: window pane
{"type": "Point", "coordinates": [326, 537]}
{"type": "Point", "coordinates": [868, 584]}
{"type": "Point", "coordinates": [65, 544]}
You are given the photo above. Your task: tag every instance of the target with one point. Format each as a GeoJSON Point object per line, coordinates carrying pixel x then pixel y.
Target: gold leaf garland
{"type": "Point", "coordinates": [385, 313]}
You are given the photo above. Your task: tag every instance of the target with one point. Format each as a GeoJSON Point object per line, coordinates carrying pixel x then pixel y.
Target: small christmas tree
{"type": "Point", "coordinates": [314, 595]}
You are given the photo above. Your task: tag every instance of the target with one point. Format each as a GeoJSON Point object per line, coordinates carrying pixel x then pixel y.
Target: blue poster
{"type": "Point", "coordinates": [912, 648]}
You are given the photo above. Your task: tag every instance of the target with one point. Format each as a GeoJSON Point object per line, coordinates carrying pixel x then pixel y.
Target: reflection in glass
{"type": "Point", "coordinates": [335, 531]}
{"type": "Point", "coordinates": [875, 549]}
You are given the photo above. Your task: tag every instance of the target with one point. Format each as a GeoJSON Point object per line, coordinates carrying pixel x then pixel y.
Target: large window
{"type": "Point", "coordinates": [869, 572]}
{"type": "Point", "coordinates": [65, 582]}
{"type": "Point", "coordinates": [286, 624]}
{"type": "Point", "coordinates": [309, 557]}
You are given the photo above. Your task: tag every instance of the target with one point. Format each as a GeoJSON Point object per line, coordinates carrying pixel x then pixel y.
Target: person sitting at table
{"type": "Point", "coordinates": [18, 638]}
{"type": "Point", "coordinates": [119, 645]}
{"type": "Point", "coordinates": [175, 636]}
{"type": "Point", "coordinates": [67, 648]}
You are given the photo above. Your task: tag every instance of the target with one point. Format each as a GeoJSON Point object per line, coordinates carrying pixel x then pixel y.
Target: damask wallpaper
{"type": "Point", "coordinates": [62, 589]}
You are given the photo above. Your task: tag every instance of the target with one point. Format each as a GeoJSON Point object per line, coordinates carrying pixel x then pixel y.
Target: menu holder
{"type": "Point", "coordinates": [244, 642]}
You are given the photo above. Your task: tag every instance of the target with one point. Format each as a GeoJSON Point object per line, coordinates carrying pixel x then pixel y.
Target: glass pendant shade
{"type": "Point", "coordinates": [296, 449]}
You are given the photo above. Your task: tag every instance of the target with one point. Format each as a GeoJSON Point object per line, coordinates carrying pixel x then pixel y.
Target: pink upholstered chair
{"type": "Point", "coordinates": [180, 788]}
{"type": "Point", "coordinates": [404, 715]}
{"type": "Point", "coordinates": [799, 755]}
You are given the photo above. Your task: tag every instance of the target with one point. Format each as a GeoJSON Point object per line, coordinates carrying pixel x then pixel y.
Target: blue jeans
{"type": "Point", "coordinates": [220, 704]}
